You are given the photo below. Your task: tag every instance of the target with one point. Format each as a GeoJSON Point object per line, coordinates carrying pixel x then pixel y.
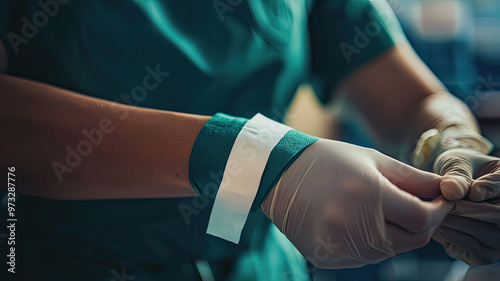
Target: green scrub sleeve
{"type": "Point", "coordinates": [346, 34]}
{"type": "Point", "coordinates": [213, 145]}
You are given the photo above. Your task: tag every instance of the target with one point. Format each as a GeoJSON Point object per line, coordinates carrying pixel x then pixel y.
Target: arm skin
{"type": "Point", "coordinates": [145, 156]}
{"type": "Point", "coordinates": [399, 98]}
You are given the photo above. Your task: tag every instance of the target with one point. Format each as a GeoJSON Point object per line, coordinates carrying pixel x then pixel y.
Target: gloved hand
{"type": "Point", "coordinates": [471, 232]}
{"type": "Point", "coordinates": [460, 166]}
{"type": "Point", "coordinates": [345, 206]}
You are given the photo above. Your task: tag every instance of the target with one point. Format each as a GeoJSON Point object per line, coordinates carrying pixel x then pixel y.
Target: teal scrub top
{"type": "Point", "coordinates": [232, 56]}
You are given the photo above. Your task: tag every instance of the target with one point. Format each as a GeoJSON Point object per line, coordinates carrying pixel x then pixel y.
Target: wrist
{"type": "Point", "coordinates": [182, 172]}
{"type": "Point", "coordinates": [457, 136]}
{"type": "Point", "coordinates": [234, 164]}
{"type": "Point", "coordinates": [438, 140]}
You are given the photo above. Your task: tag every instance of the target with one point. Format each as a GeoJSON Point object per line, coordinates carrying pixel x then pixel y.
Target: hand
{"type": "Point", "coordinates": [459, 167]}
{"type": "Point", "coordinates": [345, 206]}
{"type": "Point", "coordinates": [471, 232]}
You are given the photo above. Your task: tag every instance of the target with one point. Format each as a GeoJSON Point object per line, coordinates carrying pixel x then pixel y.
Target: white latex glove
{"type": "Point", "coordinates": [345, 206]}
{"type": "Point", "coordinates": [468, 172]}
{"type": "Point", "coordinates": [472, 231]}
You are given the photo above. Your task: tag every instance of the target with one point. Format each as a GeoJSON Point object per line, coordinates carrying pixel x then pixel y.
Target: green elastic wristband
{"type": "Point", "coordinates": [213, 145]}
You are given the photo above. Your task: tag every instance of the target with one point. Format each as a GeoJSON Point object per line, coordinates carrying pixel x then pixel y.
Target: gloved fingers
{"type": "Point", "coordinates": [409, 212]}
{"type": "Point", "coordinates": [457, 173]}
{"type": "Point", "coordinates": [455, 187]}
{"type": "Point", "coordinates": [484, 232]}
{"type": "Point", "coordinates": [486, 187]}
{"type": "Point", "coordinates": [482, 211]}
{"type": "Point", "coordinates": [404, 241]}
{"type": "Point", "coordinates": [456, 252]}
{"type": "Point", "coordinates": [464, 247]}
{"type": "Point", "coordinates": [486, 165]}
{"type": "Point", "coordinates": [412, 180]}
{"type": "Point", "coordinates": [438, 238]}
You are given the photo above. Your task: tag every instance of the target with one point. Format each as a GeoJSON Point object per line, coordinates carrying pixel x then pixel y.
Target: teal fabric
{"type": "Point", "coordinates": [210, 152]}
{"type": "Point", "coordinates": [274, 248]}
{"type": "Point", "coordinates": [282, 156]}
{"type": "Point", "coordinates": [101, 49]}
{"type": "Point", "coordinates": [358, 30]}
{"type": "Point", "coordinates": [203, 57]}
{"type": "Point", "coordinates": [212, 148]}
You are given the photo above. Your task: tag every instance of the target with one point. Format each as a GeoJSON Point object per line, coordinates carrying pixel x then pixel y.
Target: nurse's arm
{"type": "Point", "coordinates": [399, 98]}
{"type": "Point", "coordinates": [70, 146]}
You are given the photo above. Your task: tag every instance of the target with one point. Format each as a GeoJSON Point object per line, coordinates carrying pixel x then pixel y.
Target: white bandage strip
{"type": "Point", "coordinates": [242, 175]}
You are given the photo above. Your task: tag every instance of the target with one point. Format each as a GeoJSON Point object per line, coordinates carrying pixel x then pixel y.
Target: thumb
{"type": "Point", "coordinates": [457, 176]}
{"type": "Point", "coordinates": [455, 187]}
{"type": "Point", "coordinates": [410, 179]}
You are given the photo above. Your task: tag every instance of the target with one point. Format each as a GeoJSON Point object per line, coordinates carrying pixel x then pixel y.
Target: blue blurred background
{"type": "Point", "coordinates": [458, 39]}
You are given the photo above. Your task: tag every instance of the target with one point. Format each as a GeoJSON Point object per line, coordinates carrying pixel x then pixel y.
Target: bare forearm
{"type": "Point", "coordinates": [71, 146]}
{"type": "Point", "coordinates": [400, 98]}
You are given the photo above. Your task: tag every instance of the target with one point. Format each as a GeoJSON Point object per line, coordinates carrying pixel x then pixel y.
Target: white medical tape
{"type": "Point", "coordinates": [242, 175]}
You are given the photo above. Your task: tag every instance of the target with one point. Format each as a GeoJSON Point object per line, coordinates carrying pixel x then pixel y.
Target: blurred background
{"type": "Point", "coordinates": [460, 41]}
